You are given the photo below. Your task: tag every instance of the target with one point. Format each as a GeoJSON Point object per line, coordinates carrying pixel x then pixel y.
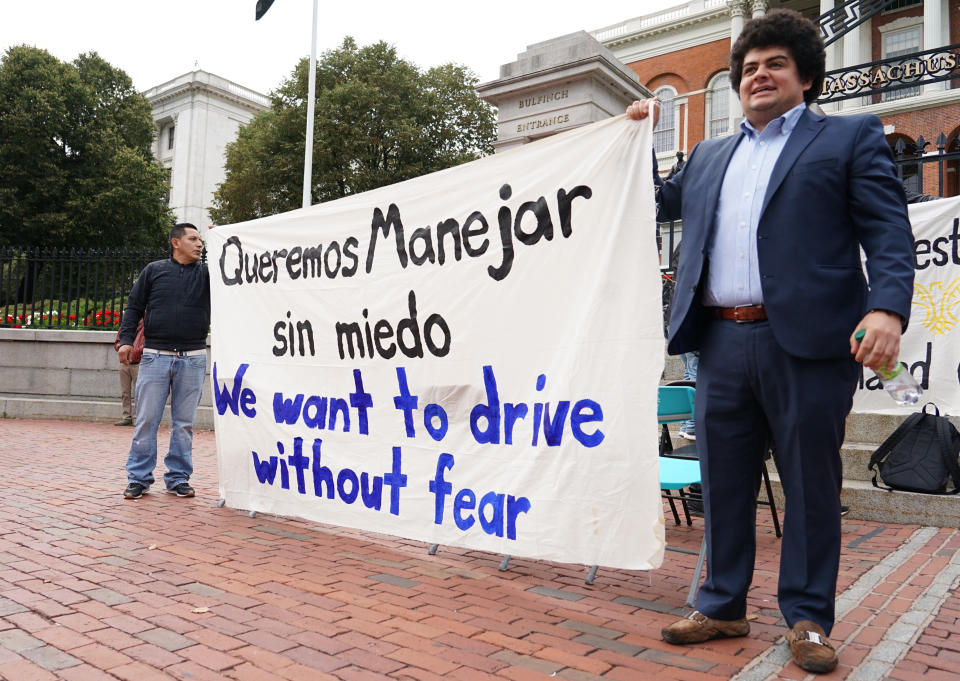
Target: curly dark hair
{"type": "Point", "coordinates": [792, 31]}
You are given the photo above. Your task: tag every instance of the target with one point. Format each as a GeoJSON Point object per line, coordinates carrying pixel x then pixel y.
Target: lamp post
{"type": "Point", "coordinates": [262, 7]}
{"type": "Point", "coordinates": [311, 88]}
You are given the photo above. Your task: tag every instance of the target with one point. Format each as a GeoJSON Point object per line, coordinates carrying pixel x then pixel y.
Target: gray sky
{"type": "Point", "coordinates": [155, 42]}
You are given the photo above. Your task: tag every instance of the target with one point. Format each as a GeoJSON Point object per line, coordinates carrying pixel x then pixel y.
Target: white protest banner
{"type": "Point", "coordinates": [469, 358]}
{"type": "Point", "coordinates": [931, 345]}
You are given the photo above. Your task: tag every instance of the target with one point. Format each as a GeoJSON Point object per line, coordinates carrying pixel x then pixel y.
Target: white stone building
{"type": "Point", "coordinates": [196, 116]}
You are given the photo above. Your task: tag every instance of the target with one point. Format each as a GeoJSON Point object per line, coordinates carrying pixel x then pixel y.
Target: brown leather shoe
{"type": "Point", "coordinates": [697, 628]}
{"type": "Point", "coordinates": [810, 648]}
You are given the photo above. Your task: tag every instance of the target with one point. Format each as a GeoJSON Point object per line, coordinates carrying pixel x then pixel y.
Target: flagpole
{"type": "Point", "coordinates": [312, 85]}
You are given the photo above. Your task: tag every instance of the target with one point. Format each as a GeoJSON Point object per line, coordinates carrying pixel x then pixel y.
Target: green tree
{"type": "Point", "coordinates": [76, 169]}
{"type": "Point", "coordinates": [379, 120]}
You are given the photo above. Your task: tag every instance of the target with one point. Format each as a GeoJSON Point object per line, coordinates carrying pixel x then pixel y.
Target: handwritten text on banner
{"type": "Point", "coordinates": [469, 358]}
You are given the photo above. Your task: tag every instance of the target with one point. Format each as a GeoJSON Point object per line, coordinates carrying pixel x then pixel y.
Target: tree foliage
{"type": "Point", "coordinates": [76, 168]}
{"type": "Point", "coordinates": [379, 120]}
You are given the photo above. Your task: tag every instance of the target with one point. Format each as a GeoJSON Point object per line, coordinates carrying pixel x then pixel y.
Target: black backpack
{"type": "Point", "coordinates": [920, 455]}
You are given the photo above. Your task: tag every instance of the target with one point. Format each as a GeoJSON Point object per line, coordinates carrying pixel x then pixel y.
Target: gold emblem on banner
{"type": "Point", "coordinates": [938, 302]}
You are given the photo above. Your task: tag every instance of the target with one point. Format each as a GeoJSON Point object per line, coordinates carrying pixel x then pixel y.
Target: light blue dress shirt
{"type": "Point", "coordinates": [733, 277]}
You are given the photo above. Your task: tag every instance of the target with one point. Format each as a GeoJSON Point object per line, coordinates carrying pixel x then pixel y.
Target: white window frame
{"type": "Point", "coordinates": [895, 29]}
{"type": "Point", "coordinates": [673, 130]}
{"type": "Point", "coordinates": [709, 118]}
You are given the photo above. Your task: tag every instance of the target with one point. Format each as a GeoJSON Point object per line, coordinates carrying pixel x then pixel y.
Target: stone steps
{"type": "Point", "coordinates": [856, 457]}
{"type": "Point", "coordinates": [866, 502]}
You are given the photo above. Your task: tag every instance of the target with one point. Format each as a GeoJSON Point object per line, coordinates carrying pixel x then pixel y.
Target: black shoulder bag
{"type": "Point", "coordinates": [920, 455]}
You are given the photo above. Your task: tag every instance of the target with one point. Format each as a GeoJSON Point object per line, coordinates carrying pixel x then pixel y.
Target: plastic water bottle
{"type": "Point", "coordinates": [897, 380]}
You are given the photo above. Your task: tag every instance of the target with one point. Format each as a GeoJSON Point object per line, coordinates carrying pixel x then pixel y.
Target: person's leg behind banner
{"type": "Point", "coordinates": [691, 361]}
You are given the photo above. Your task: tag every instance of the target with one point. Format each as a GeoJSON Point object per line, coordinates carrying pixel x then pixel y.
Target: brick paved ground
{"type": "Point", "coordinates": [95, 587]}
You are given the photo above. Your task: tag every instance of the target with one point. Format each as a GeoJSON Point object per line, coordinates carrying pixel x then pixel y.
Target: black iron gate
{"type": "Point", "coordinates": [68, 288]}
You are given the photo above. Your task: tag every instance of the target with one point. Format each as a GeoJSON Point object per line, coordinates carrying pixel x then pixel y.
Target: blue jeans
{"type": "Point", "coordinates": [182, 379]}
{"type": "Point", "coordinates": [691, 362]}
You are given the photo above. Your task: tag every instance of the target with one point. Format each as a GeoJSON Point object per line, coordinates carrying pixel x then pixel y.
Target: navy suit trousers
{"type": "Point", "coordinates": [749, 392]}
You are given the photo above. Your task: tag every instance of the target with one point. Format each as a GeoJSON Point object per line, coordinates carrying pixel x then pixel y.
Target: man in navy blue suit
{"type": "Point", "coordinates": [771, 291]}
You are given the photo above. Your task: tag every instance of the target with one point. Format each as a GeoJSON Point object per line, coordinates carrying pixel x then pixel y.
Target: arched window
{"type": "Point", "coordinates": [665, 134]}
{"type": "Point", "coordinates": [718, 105]}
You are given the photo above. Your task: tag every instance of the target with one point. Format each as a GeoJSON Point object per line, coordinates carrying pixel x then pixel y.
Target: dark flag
{"type": "Point", "coordinates": [262, 7]}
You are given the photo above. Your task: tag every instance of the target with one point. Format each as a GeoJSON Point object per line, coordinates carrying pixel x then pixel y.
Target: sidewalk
{"type": "Point", "coordinates": [96, 587]}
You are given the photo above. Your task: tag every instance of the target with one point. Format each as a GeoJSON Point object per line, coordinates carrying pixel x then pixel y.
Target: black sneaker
{"type": "Point", "coordinates": [182, 490]}
{"type": "Point", "coordinates": [135, 490]}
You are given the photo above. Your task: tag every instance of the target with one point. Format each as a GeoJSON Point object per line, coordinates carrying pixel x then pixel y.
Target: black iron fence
{"type": "Point", "coordinates": [53, 288]}
{"type": "Point", "coordinates": [913, 156]}
{"type": "Point", "coordinates": [668, 241]}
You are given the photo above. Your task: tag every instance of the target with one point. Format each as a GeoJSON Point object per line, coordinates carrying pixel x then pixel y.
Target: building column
{"type": "Point", "coordinates": [831, 50]}
{"type": "Point", "coordinates": [758, 8]}
{"type": "Point", "coordinates": [737, 13]}
{"type": "Point", "coordinates": [932, 34]}
{"type": "Point", "coordinates": [851, 57]}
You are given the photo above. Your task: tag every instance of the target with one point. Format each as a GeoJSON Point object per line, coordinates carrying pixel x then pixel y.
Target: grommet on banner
{"type": "Point", "coordinates": [221, 503]}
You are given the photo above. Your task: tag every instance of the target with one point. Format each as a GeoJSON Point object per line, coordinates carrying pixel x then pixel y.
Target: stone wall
{"type": "Point", "coordinates": [66, 375]}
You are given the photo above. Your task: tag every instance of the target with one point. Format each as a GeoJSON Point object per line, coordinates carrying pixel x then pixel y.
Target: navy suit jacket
{"type": "Point", "coordinates": [833, 190]}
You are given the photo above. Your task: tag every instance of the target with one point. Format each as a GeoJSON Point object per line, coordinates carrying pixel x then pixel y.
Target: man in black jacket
{"type": "Point", "coordinates": [176, 295]}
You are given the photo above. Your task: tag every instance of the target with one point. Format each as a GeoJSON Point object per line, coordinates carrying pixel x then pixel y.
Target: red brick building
{"type": "Point", "coordinates": [682, 53]}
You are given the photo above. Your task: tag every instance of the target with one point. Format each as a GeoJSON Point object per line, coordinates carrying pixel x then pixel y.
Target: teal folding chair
{"type": "Point", "coordinates": [677, 474]}
{"type": "Point", "coordinates": [675, 403]}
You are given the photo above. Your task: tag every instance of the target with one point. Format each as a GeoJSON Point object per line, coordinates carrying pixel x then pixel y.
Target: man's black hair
{"type": "Point", "coordinates": [176, 232]}
{"type": "Point", "coordinates": [792, 31]}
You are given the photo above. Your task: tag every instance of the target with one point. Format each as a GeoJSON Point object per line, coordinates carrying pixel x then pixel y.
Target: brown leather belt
{"type": "Point", "coordinates": [740, 314]}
